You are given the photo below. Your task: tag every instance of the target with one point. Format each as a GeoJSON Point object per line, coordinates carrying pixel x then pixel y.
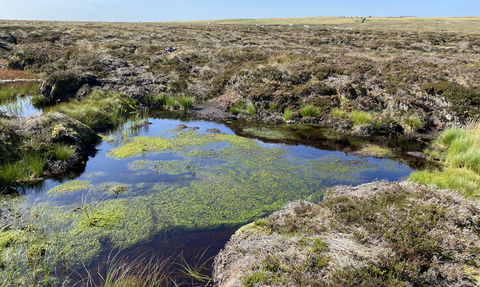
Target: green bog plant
{"type": "Point", "coordinates": [309, 111]}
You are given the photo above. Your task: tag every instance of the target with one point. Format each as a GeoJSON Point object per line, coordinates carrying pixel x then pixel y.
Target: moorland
{"type": "Point", "coordinates": [386, 78]}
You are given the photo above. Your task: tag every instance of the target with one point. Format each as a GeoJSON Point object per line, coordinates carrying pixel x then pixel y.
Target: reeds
{"type": "Point", "coordinates": [138, 273]}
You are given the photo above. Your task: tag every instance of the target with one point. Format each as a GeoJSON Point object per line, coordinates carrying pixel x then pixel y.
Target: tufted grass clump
{"type": "Point", "coordinates": [63, 151]}
{"type": "Point", "coordinates": [251, 110]}
{"type": "Point", "coordinates": [36, 163]}
{"type": "Point", "coordinates": [170, 103]}
{"type": "Point", "coordinates": [338, 113]}
{"type": "Point", "coordinates": [309, 111]}
{"type": "Point", "coordinates": [99, 110]}
{"type": "Point", "coordinates": [360, 117]}
{"type": "Point", "coordinates": [459, 149]}
{"type": "Point", "coordinates": [413, 123]}
{"type": "Point", "coordinates": [186, 102]}
{"type": "Point", "coordinates": [287, 115]}
{"type": "Point", "coordinates": [11, 172]}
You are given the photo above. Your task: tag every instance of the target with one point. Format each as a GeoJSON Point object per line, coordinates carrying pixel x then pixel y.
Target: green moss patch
{"type": "Point", "coordinates": [269, 133]}
{"type": "Point", "coordinates": [375, 151]}
{"type": "Point", "coordinates": [70, 186]}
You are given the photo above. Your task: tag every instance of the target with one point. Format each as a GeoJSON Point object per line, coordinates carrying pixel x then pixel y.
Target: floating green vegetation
{"type": "Point", "coordinates": [70, 186]}
{"type": "Point", "coordinates": [374, 150]}
{"type": "Point", "coordinates": [114, 187]}
{"type": "Point", "coordinates": [231, 181]}
{"type": "Point", "coordinates": [164, 167]}
{"type": "Point", "coordinates": [269, 133]}
{"type": "Point", "coordinates": [96, 174]}
{"type": "Point", "coordinates": [334, 168]}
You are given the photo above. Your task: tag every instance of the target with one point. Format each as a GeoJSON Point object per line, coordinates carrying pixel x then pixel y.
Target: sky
{"type": "Point", "coordinates": [185, 10]}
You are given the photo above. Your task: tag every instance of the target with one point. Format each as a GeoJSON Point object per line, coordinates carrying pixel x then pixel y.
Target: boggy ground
{"type": "Point", "coordinates": [377, 234]}
{"type": "Point", "coordinates": [374, 78]}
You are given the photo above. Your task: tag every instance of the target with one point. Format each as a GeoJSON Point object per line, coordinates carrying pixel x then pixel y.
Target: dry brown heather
{"type": "Point", "coordinates": [413, 74]}
{"type": "Point", "coordinates": [377, 234]}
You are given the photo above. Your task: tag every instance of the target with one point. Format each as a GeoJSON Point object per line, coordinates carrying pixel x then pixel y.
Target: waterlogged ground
{"type": "Point", "coordinates": [166, 189]}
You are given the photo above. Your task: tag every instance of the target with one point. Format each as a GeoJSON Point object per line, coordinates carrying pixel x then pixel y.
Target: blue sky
{"type": "Point", "coordinates": [171, 10]}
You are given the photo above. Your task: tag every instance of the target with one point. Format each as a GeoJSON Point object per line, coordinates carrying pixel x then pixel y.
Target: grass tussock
{"type": "Point", "coordinates": [338, 113]}
{"type": "Point", "coordinates": [413, 123]}
{"type": "Point", "coordinates": [310, 111]}
{"type": "Point", "coordinates": [98, 110]}
{"type": "Point", "coordinates": [360, 117]}
{"type": "Point", "coordinates": [459, 149]}
{"type": "Point", "coordinates": [63, 151]}
{"type": "Point", "coordinates": [36, 163]}
{"type": "Point", "coordinates": [9, 92]}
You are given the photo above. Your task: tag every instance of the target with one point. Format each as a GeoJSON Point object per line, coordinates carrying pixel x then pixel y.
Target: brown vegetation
{"type": "Point", "coordinates": [393, 73]}
{"type": "Point", "coordinates": [378, 234]}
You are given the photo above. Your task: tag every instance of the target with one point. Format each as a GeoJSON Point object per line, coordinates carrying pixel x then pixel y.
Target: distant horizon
{"type": "Point", "coordinates": [244, 18]}
{"type": "Point", "coordinates": [190, 10]}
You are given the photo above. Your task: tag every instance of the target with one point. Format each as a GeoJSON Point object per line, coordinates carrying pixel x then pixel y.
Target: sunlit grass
{"type": "Point", "coordinates": [287, 115]}
{"type": "Point", "coordinates": [98, 110]}
{"type": "Point", "coordinates": [9, 92]}
{"type": "Point", "coordinates": [186, 102]}
{"type": "Point", "coordinates": [63, 151]}
{"type": "Point", "coordinates": [309, 111]}
{"type": "Point", "coordinates": [460, 151]}
{"type": "Point", "coordinates": [338, 113]}
{"type": "Point", "coordinates": [36, 163]}
{"type": "Point", "coordinates": [360, 117]}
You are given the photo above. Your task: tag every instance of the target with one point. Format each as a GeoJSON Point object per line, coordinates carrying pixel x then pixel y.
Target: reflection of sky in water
{"type": "Point", "coordinates": [101, 168]}
{"type": "Point", "coordinates": [21, 107]}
